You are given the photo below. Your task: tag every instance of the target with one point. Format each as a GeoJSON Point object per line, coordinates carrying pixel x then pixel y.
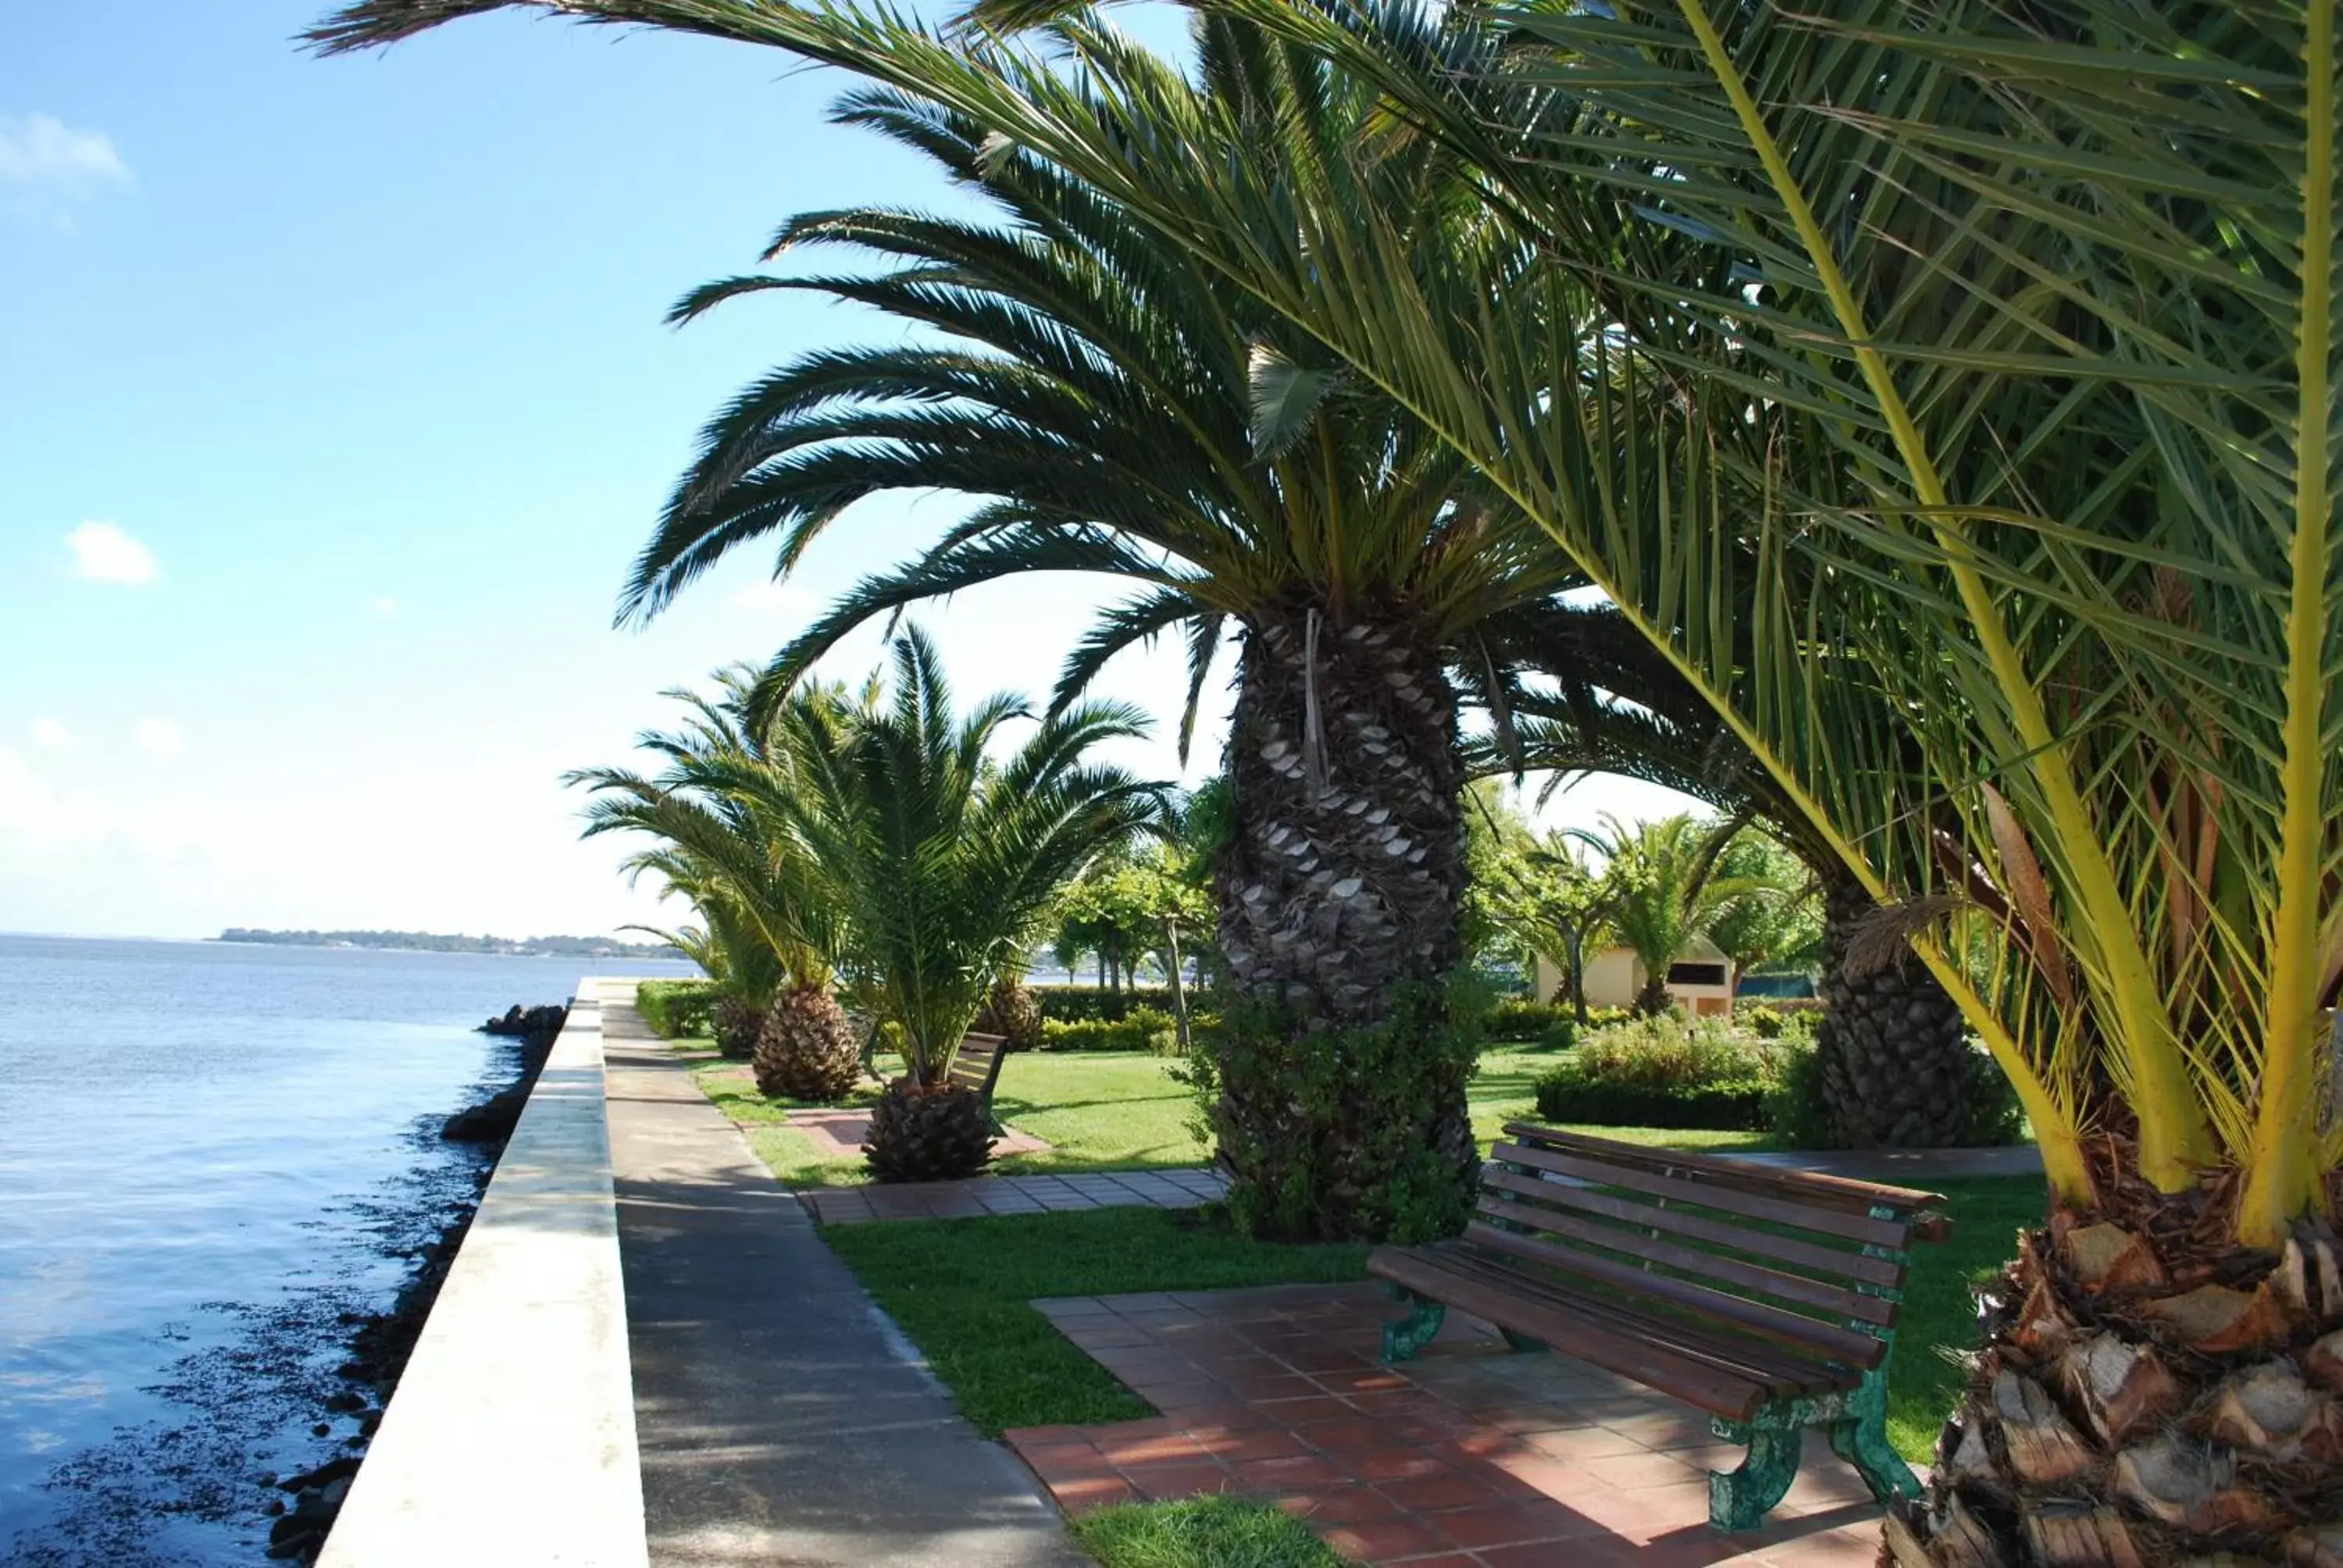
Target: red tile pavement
{"type": "Point", "coordinates": [1183, 1188]}
{"type": "Point", "coordinates": [1471, 1457]}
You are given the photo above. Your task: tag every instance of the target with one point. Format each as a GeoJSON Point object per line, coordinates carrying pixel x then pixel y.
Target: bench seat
{"type": "Point", "coordinates": [1766, 1299]}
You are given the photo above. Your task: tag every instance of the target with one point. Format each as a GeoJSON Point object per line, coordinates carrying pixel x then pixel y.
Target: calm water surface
{"type": "Point", "coordinates": [208, 1156]}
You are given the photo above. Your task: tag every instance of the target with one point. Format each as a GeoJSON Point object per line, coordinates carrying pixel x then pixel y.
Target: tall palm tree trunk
{"type": "Point", "coordinates": [1896, 1067]}
{"type": "Point", "coordinates": [1338, 915]}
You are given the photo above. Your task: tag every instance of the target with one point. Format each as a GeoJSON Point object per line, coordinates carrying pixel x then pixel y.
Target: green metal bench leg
{"type": "Point", "coordinates": [1404, 1338]}
{"type": "Point", "coordinates": [1740, 1499]}
{"type": "Point", "coordinates": [1523, 1342]}
{"type": "Point", "coordinates": [1861, 1439]}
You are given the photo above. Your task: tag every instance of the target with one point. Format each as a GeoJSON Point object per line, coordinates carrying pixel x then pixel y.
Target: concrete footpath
{"type": "Point", "coordinates": [782, 1418]}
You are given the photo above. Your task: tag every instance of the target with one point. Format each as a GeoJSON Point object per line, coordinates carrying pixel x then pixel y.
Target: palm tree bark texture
{"type": "Point", "coordinates": [1896, 1069]}
{"type": "Point", "coordinates": [1340, 892]}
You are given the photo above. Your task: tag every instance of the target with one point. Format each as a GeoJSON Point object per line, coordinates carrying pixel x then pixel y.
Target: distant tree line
{"type": "Point", "coordinates": [434, 942]}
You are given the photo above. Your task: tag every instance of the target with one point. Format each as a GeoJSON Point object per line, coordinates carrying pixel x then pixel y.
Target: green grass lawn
{"type": "Point", "coordinates": [1120, 1111]}
{"type": "Point", "coordinates": [958, 1287]}
{"type": "Point", "coordinates": [1201, 1533]}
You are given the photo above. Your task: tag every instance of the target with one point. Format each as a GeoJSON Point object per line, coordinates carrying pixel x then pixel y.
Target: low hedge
{"type": "Point", "coordinates": [1570, 1095]}
{"type": "Point", "coordinates": [1091, 1003]}
{"type": "Point", "coordinates": [1144, 1028]}
{"type": "Point", "coordinates": [678, 1009]}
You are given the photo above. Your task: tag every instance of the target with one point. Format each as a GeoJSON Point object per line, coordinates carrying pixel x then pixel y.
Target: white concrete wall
{"type": "Point", "coordinates": [511, 1439]}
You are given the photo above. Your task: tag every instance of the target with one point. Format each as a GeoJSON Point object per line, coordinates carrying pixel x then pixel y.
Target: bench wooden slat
{"type": "Point", "coordinates": [1774, 1282]}
{"type": "Point", "coordinates": [1805, 1187]}
{"type": "Point", "coordinates": [977, 1064]}
{"type": "Point", "coordinates": [1629, 1351]}
{"type": "Point", "coordinates": [1782, 1369]}
{"type": "Point", "coordinates": [1892, 1233]}
{"type": "Point", "coordinates": [1788, 1249]}
{"type": "Point", "coordinates": [1777, 1324]}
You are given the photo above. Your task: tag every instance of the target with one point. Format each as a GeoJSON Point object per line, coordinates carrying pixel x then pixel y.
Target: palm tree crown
{"type": "Point", "coordinates": [943, 861]}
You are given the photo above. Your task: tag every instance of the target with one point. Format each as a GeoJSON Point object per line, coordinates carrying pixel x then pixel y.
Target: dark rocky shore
{"type": "Point", "coordinates": [327, 1359]}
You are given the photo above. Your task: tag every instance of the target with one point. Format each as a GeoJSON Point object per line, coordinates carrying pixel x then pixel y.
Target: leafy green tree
{"type": "Point", "coordinates": [1122, 907]}
{"type": "Point", "coordinates": [1774, 920]}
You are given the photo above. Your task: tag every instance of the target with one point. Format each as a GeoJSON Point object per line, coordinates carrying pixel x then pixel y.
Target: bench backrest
{"type": "Point", "coordinates": [1813, 1263]}
{"type": "Point", "coordinates": [977, 1064]}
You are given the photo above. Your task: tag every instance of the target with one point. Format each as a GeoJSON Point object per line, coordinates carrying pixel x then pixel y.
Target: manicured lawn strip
{"type": "Point", "coordinates": [1201, 1533]}
{"type": "Point", "coordinates": [1939, 1310]}
{"type": "Point", "coordinates": [1122, 1111]}
{"type": "Point", "coordinates": [1098, 1111]}
{"type": "Point", "coordinates": [958, 1287]}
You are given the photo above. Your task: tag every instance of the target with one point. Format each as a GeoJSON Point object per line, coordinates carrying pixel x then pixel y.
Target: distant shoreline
{"type": "Point", "coordinates": [434, 942]}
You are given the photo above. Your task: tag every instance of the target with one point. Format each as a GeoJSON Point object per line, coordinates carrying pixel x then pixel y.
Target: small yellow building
{"type": "Point", "coordinates": [1700, 981]}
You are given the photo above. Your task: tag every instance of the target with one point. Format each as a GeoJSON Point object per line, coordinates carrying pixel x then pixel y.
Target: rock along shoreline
{"type": "Point", "coordinates": [380, 1343]}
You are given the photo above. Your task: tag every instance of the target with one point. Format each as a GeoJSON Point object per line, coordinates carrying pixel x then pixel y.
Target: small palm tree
{"type": "Point", "coordinates": [776, 940]}
{"type": "Point", "coordinates": [1661, 892]}
{"type": "Point", "coordinates": [945, 864]}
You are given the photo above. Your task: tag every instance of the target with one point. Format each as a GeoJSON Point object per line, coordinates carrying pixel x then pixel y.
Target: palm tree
{"type": "Point", "coordinates": [1661, 892]}
{"type": "Point", "coordinates": [2002, 338]}
{"type": "Point", "coordinates": [1119, 413]}
{"type": "Point", "coordinates": [776, 940]}
{"type": "Point", "coordinates": [945, 863]}
{"type": "Point", "coordinates": [1897, 1068]}
{"type": "Point", "coordinates": [2006, 339]}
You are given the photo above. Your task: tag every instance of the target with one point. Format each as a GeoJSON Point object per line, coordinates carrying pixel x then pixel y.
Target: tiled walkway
{"type": "Point", "coordinates": [1471, 1457]}
{"type": "Point", "coordinates": [1179, 1189]}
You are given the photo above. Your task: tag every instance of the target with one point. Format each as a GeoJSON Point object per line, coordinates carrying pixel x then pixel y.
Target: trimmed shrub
{"type": "Point", "coordinates": [678, 1009]}
{"type": "Point", "coordinates": [1774, 1020]}
{"type": "Point", "coordinates": [1089, 1004]}
{"type": "Point", "coordinates": [1144, 1028]}
{"type": "Point", "coordinates": [1571, 1094]}
{"type": "Point", "coordinates": [1795, 1109]}
{"type": "Point", "coordinates": [1560, 1035]}
{"type": "Point", "coordinates": [1662, 1073]}
{"type": "Point", "coordinates": [1520, 1019]}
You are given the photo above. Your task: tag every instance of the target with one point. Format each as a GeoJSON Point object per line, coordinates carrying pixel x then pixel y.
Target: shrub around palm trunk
{"type": "Point", "coordinates": [944, 864]}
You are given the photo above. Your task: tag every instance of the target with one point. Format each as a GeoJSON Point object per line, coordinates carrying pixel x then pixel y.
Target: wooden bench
{"type": "Point", "coordinates": [977, 1066]}
{"type": "Point", "coordinates": [1766, 1298]}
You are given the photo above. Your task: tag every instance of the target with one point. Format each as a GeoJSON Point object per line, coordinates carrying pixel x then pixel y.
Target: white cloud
{"type": "Point", "coordinates": [160, 737]}
{"type": "Point", "coordinates": [47, 167]}
{"type": "Point", "coordinates": [52, 733]}
{"type": "Point", "coordinates": [385, 607]}
{"type": "Point", "coordinates": [103, 553]}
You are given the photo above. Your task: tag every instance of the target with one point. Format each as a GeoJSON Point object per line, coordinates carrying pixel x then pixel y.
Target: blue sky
{"type": "Point", "coordinates": [334, 402]}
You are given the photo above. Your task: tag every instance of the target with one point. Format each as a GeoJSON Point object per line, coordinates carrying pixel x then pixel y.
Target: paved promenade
{"type": "Point", "coordinates": [1183, 1188]}
{"type": "Point", "coordinates": [782, 1418]}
